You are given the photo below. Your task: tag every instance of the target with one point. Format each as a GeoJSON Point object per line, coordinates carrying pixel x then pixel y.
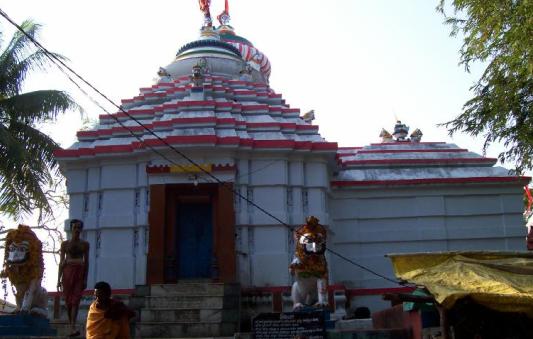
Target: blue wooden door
{"type": "Point", "coordinates": [195, 240]}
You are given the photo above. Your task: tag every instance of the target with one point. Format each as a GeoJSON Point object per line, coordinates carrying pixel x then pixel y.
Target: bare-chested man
{"type": "Point", "coordinates": [73, 269]}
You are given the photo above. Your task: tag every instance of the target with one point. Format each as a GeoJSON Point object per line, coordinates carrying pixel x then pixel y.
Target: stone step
{"type": "Point", "coordinates": [63, 328]}
{"type": "Point", "coordinates": [189, 315]}
{"type": "Point", "coordinates": [185, 302]}
{"type": "Point", "coordinates": [195, 289]}
{"type": "Point", "coordinates": [180, 302]}
{"type": "Point", "coordinates": [194, 330]}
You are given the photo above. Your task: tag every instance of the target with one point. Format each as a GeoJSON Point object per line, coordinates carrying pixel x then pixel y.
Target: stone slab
{"type": "Point", "coordinates": [25, 325]}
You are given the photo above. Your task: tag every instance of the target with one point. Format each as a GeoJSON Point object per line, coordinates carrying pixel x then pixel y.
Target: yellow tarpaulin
{"type": "Point", "coordinates": [502, 281]}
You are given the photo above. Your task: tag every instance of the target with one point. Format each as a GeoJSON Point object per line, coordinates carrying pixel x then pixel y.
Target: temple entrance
{"type": "Point", "coordinates": [192, 233]}
{"type": "Point", "coordinates": [194, 240]}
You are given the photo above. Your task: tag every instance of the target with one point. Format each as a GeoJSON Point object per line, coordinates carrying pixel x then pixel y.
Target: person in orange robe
{"type": "Point", "coordinates": [107, 318]}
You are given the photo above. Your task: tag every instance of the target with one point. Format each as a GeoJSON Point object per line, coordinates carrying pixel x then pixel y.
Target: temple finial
{"type": "Point", "coordinates": [224, 17]}
{"type": "Point", "coordinates": [204, 7]}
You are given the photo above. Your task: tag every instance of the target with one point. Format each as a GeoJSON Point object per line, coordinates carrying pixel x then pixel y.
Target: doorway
{"type": "Point", "coordinates": [194, 240]}
{"type": "Point", "coordinates": [192, 233]}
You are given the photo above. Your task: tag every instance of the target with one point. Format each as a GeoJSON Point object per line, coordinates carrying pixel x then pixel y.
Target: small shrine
{"type": "Point", "coordinates": [161, 219]}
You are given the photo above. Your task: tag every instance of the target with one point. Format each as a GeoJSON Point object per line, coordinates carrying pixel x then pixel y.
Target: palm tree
{"type": "Point", "coordinates": [28, 168]}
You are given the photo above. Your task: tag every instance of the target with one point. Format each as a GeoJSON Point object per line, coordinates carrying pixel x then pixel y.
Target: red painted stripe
{"type": "Point", "coordinates": [197, 139]}
{"type": "Point", "coordinates": [413, 150]}
{"type": "Point", "coordinates": [352, 292]}
{"type": "Point", "coordinates": [520, 180]}
{"type": "Point", "coordinates": [244, 92]}
{"type": "Point", "coordinates": [420, 161]}
{"type": "Point", "coordinates": [118, 291]}
{"type": "Point", "coordinates": [65, 153]}
{"type": "Point", "coordinates": [154, 94]}
{"type": "Point", "coordinates": [303, 145]}
{"type": "Point", "coordinates": [113, 149]}
{"type": "Point", "coordinates": [349, 148]}
{"type": "Point", "coordinates": [288, 125]}
{"type": "Point", "coordinates": [324, 146]}
{"type": "Point", "coordinates": [86, 134]}
{"type": "Point", "coordinates": [228, 140]}
{"type": "Point", "coordinates": [291, 110]}
{"type": "Point", "coordinates": [224, 168]}
{"type": "Point", "coordinates": [85, 151]}
{"type": "Point", "coordinates": [157, 169]}
{"type": "Point", "coordinates": [333, 287]}
{"type": "Point", "coordinates": [307, 127]}
{"type": "Point", "coordinates": [223, 104]}
{"type": "Point", "coordinates": [166, 169]}
{"type": "Point", "coordinates": [273, 143]}
{"type": "Point", "coordinates": [407, 143]}
{"type": "Point", "coordinates": [246, 142]}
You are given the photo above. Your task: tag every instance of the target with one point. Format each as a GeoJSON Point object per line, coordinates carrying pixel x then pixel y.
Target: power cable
{"type": "Point", "coordinates": [54, 59]}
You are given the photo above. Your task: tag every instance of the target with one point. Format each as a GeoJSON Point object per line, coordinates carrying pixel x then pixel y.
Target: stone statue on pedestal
{"type": "Point", "coordinates": [309, 266]}
{"type": "Point", "coordinates": [24, 267]}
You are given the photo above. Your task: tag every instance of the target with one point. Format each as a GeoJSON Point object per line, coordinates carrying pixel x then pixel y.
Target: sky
{"type": "Point", "coordinates": [360, 64]}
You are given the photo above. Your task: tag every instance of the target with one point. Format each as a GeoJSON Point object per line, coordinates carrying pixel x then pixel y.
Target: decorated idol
{"type": "Point", "coordinates": [309, 266]}
{"type": "Point", "coordinates": [24, 267]}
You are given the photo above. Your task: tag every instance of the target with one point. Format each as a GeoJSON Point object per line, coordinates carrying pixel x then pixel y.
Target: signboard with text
{"type": "Point", "coordinates": [289, 325]}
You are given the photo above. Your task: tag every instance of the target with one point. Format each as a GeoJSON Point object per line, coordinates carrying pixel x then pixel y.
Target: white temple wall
{"type": "Point", "coordinates": [369, 223]}
{"type": "Point", "coordinates": [290, 188]}
{"type": "Point", "coordinates": [111, 199]}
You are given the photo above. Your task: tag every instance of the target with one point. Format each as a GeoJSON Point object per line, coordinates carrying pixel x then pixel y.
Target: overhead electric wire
{"type": "Point", "coordinates": [224, 184]}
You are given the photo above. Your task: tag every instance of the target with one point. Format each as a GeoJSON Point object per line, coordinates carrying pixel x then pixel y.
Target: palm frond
{"type": "Point", "coordinates": [20, 57]}
{"type": "Point", "coordinates": [37, 106]}
{"type": "Point", "coordinates": [25, 165]}
{"type": "Point", "coordinates": [20, 44]}
{"type": "Point", "coordinates": [13, 73]}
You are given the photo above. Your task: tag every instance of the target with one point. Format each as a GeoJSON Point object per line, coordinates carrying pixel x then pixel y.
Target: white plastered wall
{"type": "Point", "coordinates": [111, 199]}
{"type": "Point", "coordinates": [369, 223]}
{"type": "Point", "coordinates": [288, 187]}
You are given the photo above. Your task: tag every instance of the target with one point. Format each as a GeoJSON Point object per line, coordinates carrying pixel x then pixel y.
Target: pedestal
{"type": "Point", "coordinates": [25, 325]}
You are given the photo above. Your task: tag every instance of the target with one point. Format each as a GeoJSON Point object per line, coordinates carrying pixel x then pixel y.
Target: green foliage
{"type": "Point", "coordinates": [27, 166]}
{"type": "Point", "coordinates": [498, 33]}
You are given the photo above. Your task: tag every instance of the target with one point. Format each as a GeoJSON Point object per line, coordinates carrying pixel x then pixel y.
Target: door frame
{"type": "Point", "coordinates": [162, 219]}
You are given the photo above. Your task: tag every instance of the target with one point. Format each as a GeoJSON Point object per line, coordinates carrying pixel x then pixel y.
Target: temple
{"type": "Point", "coordinates": [160, 218]}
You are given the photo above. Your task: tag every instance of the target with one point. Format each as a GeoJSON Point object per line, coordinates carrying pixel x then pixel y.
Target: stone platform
{"type": "Point", "coordinates": [23, 325]}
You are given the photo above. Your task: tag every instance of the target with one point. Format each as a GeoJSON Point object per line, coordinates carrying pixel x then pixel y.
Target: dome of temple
{"type": "Point", "coordinates": [223, 53]}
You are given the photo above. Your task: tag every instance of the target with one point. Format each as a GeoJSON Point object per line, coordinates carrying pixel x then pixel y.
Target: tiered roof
{"type": "Point", "coordinates": [410, 163]}
{"type": "Point", "coordinates": [225, 112]}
